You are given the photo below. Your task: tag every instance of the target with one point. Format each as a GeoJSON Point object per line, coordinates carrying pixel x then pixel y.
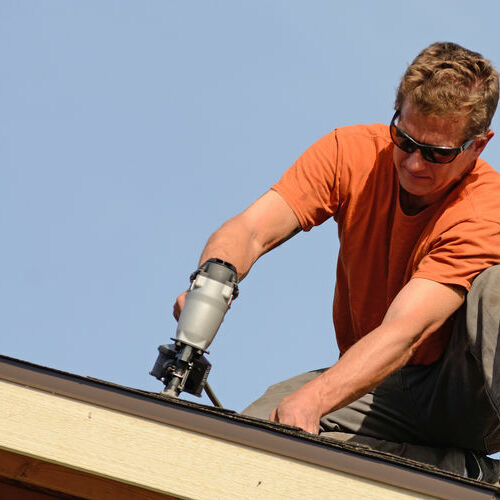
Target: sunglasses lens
{"type": "Point", "coordinates": [401, 140]}
{"type": "Point", "coordinates": [407, 146]}
{"type": "Point", "coordinates": [438, 155]}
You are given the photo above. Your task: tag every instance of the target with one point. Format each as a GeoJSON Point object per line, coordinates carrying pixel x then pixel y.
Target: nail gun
{"type": "Point", "coordinates": [182, 366]}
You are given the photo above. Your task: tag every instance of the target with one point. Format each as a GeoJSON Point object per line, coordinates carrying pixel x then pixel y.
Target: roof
{"type": "Point", "coordinates": [43, 408]}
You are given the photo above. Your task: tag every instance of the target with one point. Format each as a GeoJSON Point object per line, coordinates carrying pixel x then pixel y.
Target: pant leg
{"type": "Point", "coordinates": [483, 332]}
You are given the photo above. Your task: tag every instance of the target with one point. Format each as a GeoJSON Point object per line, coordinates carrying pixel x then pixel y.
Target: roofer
{"type": "Point", "coordinates": [418, 216]}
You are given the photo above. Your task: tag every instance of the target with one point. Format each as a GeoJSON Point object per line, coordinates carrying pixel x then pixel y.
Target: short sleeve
{"type": "Point", "coordinates": [311, 185]}
{"type": "Point", "coordinates": [460, 253]}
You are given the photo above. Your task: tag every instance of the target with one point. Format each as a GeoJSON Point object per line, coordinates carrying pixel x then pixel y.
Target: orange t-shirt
{"type": "Point", "coordinates": [349, 175]}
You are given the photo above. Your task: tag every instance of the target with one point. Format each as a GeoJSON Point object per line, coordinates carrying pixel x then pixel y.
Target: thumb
{"type": "Point", "coordinates": [274, 416]}
{"type": "Point", "coordinates": [179, 305]}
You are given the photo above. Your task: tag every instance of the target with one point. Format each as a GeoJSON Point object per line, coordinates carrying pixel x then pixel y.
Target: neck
{"type": "Point", "coordinates": [411, 204]}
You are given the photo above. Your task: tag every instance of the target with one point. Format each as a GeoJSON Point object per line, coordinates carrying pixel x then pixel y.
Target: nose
{"type": "Point", "coordinates": [414, 162]}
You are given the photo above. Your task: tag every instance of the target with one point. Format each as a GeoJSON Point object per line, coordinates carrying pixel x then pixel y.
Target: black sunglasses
{"type": "Point", "coordinates": [433, 154]}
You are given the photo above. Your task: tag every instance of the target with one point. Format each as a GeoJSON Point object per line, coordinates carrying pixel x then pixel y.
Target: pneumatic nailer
{"type": "Point", "coordinates": [182, 366]}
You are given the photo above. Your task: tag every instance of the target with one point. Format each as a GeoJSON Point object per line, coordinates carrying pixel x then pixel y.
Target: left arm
{"type": "Point", "coordinates": [418, 310]}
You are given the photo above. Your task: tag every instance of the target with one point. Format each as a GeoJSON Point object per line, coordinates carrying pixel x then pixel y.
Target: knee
{"type": "Point", "coordinates": [486, 288]}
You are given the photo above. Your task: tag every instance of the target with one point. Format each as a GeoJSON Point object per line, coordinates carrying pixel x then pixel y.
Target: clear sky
{"type": "Point", "coordinates": [131, 129]}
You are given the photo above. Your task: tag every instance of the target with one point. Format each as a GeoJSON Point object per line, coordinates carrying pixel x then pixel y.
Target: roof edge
{"type": "Point", "coordinates": [267, 436]}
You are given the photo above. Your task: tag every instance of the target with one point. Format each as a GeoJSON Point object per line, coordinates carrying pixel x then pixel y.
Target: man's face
{"type": "Point", "coordinates": [427, 182]}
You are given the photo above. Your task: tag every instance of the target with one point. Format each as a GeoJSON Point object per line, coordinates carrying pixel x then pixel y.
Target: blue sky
{"type": "Point", "coordinates": [130, 130]}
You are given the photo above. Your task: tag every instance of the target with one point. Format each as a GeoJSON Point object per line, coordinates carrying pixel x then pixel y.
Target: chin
{"type": "Point", "coordinates": [415, 191]}
{"type": "Point", "coordinates": [416, 187]}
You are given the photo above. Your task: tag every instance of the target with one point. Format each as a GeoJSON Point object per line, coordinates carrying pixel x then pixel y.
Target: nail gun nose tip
{"type": "Point", "coordinates": [169, 394]}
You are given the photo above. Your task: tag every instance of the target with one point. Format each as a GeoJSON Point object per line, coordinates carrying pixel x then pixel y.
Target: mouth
{"type": "Point", "coordinates": [417, 177]}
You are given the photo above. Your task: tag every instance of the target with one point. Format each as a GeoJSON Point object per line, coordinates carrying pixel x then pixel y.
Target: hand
{"type": "Point", "coordinates": [299, 409]}
{"type": "Point", "coordinates": [179, 304]}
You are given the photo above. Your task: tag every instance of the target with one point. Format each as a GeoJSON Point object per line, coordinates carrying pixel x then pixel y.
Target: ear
{"type": "Point", "coordinates": [480, 143]}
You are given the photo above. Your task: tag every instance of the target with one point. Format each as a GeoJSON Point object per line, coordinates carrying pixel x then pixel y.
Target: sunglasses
{"type": "Point", "coordinates": [433, 154]}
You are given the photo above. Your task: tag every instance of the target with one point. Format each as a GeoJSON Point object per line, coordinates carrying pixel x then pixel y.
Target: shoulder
{"type": "Point", "coordinates": [477, 197]}
{"type": "Point", "coordinates": [365, 160]}
{"type": "Point", "coordinates": [361, 147]}
{"type": "Point", "coordinates": [376, 134]}
{"type": "Point", "coordinates": [374, 137]}
{"type": "Point", "coordinates": [353, 149]}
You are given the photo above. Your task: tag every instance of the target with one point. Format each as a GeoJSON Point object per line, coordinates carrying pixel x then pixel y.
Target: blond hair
{"type": "Point", "coordinates": [446, 79]}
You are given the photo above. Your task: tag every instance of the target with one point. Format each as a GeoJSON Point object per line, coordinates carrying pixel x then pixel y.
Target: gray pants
{"type": "Point", "coordinates": [446, 414]}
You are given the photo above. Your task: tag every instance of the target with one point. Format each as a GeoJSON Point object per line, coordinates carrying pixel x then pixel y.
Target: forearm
{"type": "Point", "coordinates": [418, 310]}
{"type": "Point", "coordinates": [362, 367]}
{"type": "Point", "coordinates": [359, 370]}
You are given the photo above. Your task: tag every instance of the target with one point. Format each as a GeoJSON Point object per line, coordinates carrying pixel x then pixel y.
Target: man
{"type": "Point", "coordinates": [419, 218]}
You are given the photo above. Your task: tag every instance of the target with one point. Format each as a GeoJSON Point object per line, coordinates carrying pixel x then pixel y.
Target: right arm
{"type": "Point", "coordinates": [241, 240]}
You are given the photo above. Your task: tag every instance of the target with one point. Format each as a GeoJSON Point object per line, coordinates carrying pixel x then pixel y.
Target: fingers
{"type": "Point", "coordinates": [297, 414]}
{"type": "Point", "coordinates": [179, 305]}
